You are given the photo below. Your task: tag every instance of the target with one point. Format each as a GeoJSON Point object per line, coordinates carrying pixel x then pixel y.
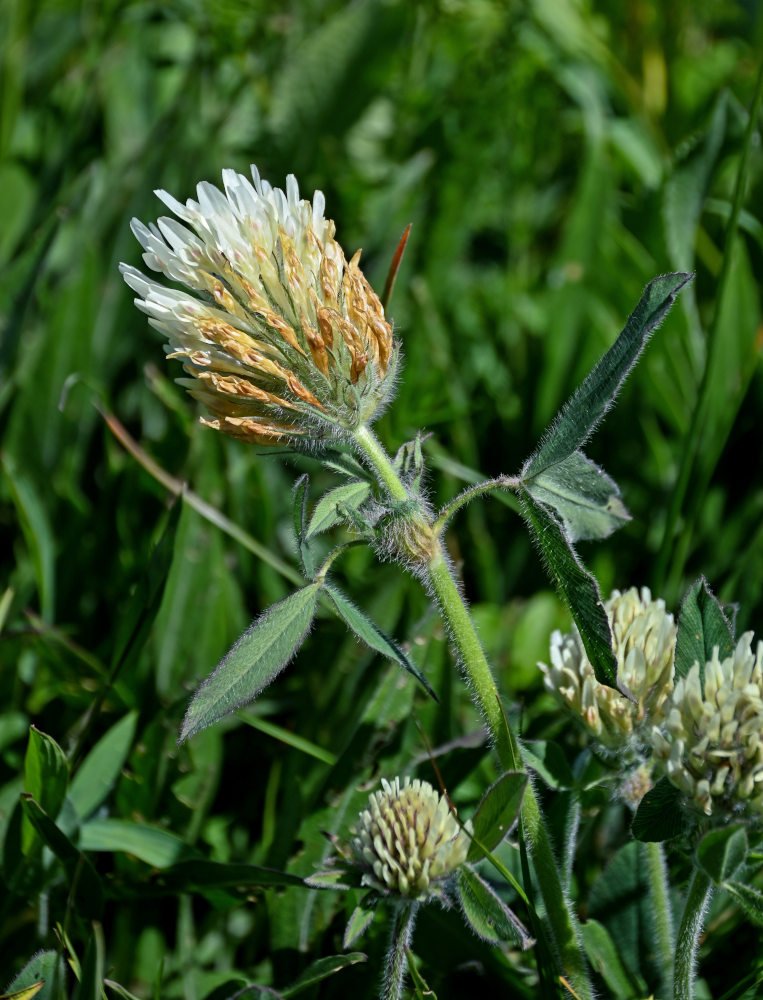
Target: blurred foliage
{"type": "Point", "coordinates": [553, 156]}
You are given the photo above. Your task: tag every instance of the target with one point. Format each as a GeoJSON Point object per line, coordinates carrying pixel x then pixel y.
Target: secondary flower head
{"type": "Point", "coordinates": [283, 336]}
{"type": "Point", "coordinates": [711, 744]}
{"type": "Point", "coordinates": [407, 839]}
{"type": "Point", "coordinates": [644, 642]}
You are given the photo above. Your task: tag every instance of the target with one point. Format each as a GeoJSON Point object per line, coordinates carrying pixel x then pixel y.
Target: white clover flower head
{"type": "Point", "coordinates": [283, 337]}
{"type": "Point", "coordinates": [644, 642]}
{"type": "Point", "coordinates": [711, 742]}
{"type": "Point", "coordinates": [408, 840]}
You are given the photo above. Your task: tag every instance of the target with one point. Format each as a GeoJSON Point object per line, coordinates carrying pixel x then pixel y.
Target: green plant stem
{"type": "Point", "coordinates": [697, 898]}
{"type": "Point", "coordinates": [397, 959]}
{"type": "Point", "coordinates": [666, 555]}
{"type": "Point", "coordinates": [662, 933]}
{"type": "Point", "coordinates": [561, 919]}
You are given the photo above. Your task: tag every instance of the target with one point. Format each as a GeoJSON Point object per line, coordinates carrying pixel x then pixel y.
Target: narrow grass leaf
{"type": "Point", "coordinates": [549, 761]}
{"type": "Point", "coordinates": [497, 813]}
{"type": "Point", "coordinates": [576, 585]}
{"type": "Point", "coordinates": [258, 657]}
{"type": "Point", "coordinates": [370, 633]}
{"type": "Point", "coordinates": [322, 969]}
{"type": "Point", "coordinates": [421, 989]}
{"type": "Point", "coordinates": [751, 900]}
{"type": "Point", "coordinates": [84, 883]}
{"type": "Point", "coordinates": [582, 413]}
{"type": "Point", "coordinates": [486, 913]}
{"type": "Point", "coordinates": [583, 495]}
{"type": "Point", "coordinates": [199, 874]}
{"type": "Point", "coordinates": [100, 769]}
{"type": "Point", "coordinates": [90, 986]}
{"type": "Point", "coordinates": [328, 510]}
{"type": "Point", "coordinates": [38, 534]}
{"type": "Point", "coordinates": [155, 846]}
{"type": "Point", "coordinates": [721, 852]}
{"type": "Point", "coordinates": [702, 625]}
{"type": "Point", "coordinates": [660, 815]}
{"type": "Point", "coordinates": [360, 919]}
{"type": "Point", "coordinates": [46, 778]}
{"type": "Point", "coordinates": [604, 957]}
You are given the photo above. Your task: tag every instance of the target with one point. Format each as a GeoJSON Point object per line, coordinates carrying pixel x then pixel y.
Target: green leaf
{"type": "Point", "coordinates": [576, 585]}
{"type": "Point", "coordinates": [199, 874]}
{"type": "Point", "coordinates": [721, 852]}
{"type": "Point", "coordinates": [46, 967]}
{"type": "Point", "coordinates": [119, 990]}
{"type": "Point", "coordinates": [751, 900]}
{"type": "Point", "coordinates": [549, 761]}
{"type": "Point", "coordinates": [322, 969]}
{"type": "Point", "coordinates": [660, 815]}
{"type": "Point", "coordinates": [37, 531]}
{"type": "Point", "coordinates": [336, 878]}
{"type": "Point", "coordinates": [328, 511]}
{"type": "Point", "coordinates": [360, 919]}
{"type": "Point", "coordinates": [90, 986]}
{"type": "Point", "coordinates": [260, 654]}
{"type": "Point", "coordinates": [84, 883]}
{"type": "Point", "coordinates": [582, 413]}
{"type": "Point", "coordinates": [497, 813]}
{"type": "Point", "coordinates": [150, 844]}
{"type": "Point", "coordinates": [605, 959]}
{"type": "Point", "coordinates": [582, 494]}
{"type": "Point", "coordinates": [100, 769]}
{"type": "Point", "coordinates": [421, 989]}
{"type": "Point", "coordinates": [702, 625]}
{"type": "Point", "coordinates": [370, 633]}
{"type": "Point", "coordinates": [486, 913]}
{"type": "Point", "coordinates": [46, 777]}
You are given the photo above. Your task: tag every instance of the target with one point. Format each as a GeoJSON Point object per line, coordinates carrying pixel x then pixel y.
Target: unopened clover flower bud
{"type": "Point", "coordinates": [407, 839]}
{"type": "Point", "coordinates": [711, 742]}
{"type": "Point", "coordinates": [644, 643]}
{"type": "Point", "coordinates": [283, 337]}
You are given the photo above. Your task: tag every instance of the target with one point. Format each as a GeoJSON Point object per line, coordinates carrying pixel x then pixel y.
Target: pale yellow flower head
{"type": "Point", "coordinates": [283, 337]}
{"type": "Point", "coordinates": [711, 743]}
{"type": "Point", "coordinates": [407, 839]}
{"type": "Point", "coordinates": [644, 642]}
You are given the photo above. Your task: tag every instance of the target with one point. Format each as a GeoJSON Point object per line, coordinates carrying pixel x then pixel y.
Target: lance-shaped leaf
{"type": "Point", "coordinates": [583, 495]}
{"type": "Point", "coordinates": [751, 900]}
{"type": "Point", "coordinates": [299, 513]}
{"type": "Point", "coordinates": [487, 914]}
{"type": "Point", "coordinates": [576, 585]}
{"type": "Point", "coordinates": [46, 778]}
{"type": "Point", "coordinates": [321, 969]}
{"type": "Point", "coordinates": [331, 507]}
{"type": "Point", "coordinates": [370, 633]}
{"type": "Point", "coordinates": [260, 654]}
{"type": "Point", "coordinates": [579, 417]}
{"type": "Point", "coordinates": [701, 626]}
{"type": "Point", "coordinates": [496, 813]}
{"type": "Point", "coordinates": [360, 919]}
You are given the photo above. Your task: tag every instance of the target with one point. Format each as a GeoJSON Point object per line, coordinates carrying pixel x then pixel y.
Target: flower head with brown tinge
{"type": "Point", "coordinates": [407, 840]}
{"type": "Point", "coordinates": [284, 337]}
{"type": "Point", "coordinates": [644, 642]}
{"type": "Point", "coordinates": [711, 744]}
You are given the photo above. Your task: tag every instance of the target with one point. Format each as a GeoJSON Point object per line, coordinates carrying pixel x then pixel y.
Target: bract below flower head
{"type": "Point", "coordinates": [711, 743]}
{"type": "Point", "coordinates": [644, 642]}
{"type": "Point", "coordinates": [283, 336]}
{"type": "Point", "coordinates": [408, 840]}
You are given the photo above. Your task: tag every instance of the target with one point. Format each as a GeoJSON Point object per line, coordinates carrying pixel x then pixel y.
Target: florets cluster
{"type": "Point", "coordinates": [283, 337]}
{"type": "Point", "coordinates": [644, 641]}
{"type": "Point", "coordinates": [407, 839]}
{"type": "Point", "coordinates": [711, 743]}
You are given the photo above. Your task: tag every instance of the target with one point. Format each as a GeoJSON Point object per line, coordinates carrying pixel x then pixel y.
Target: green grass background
{"type": "Point", "coordinates": [553, 156]}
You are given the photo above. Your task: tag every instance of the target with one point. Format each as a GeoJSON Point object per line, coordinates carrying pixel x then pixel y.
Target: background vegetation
{"type": "Point", "coordinates": [553, 156]}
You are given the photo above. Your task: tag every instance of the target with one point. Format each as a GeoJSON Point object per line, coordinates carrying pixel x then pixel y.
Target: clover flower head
{"type": "Point", "coordinates": [283, 337]}
{"type": "Point", "coordinates": [407, 839]}
{"type": "Point", "coordinates": [711, 742]}
{"type": "Point", "coordinates": [644, 642]}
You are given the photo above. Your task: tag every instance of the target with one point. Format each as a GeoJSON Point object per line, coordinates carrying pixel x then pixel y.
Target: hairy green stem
{"type": "Point", "coordinates": [697, 898]}
{"type": "Point", "coordinates": [561, 920]}
{"type": "Point", "coordinates": [662, 933]}
{"type": "Point", "coordinates": [396, 965]}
